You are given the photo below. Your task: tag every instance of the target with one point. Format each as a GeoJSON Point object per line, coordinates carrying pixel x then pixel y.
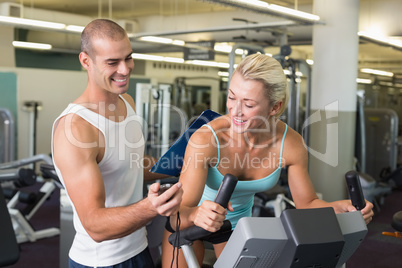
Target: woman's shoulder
{"type": "Point", "coordinates": [206, 133]}
{"type": "Point", "coordinates": [291, 134]}
{"type": "Point", "coordinates": [294, 145]}
{"type": "Point", "coordinates": [220, 123]}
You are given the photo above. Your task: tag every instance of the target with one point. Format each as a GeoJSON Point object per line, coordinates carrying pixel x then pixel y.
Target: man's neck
{"type": "Point", "coordinates": [104, 103]}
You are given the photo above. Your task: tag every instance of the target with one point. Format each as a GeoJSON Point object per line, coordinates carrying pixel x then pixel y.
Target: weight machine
{"type": "Point", "coordinates": [9, 248]}
{"type": "Point", "coordinates": [7, 136]}
{"type": "Point", "coordinates": [12, 172]}
{"type": "Point", "coordinates": [162, 122]}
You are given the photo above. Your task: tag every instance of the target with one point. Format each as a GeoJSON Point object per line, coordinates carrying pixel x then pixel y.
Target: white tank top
{"type": "Point", "coordinates": [122, 172]}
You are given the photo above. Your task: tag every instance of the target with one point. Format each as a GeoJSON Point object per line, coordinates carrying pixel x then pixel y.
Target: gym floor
{"type": "Point", "coordinates": [376, 251]}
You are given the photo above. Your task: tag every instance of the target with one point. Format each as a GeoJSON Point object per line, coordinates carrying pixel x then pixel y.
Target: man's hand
{"type": "Point", "coordinates": [168, 203]}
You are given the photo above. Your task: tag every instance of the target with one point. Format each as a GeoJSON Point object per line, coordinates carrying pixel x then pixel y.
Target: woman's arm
{"type": "Point", "coordinates": [301, 187]}
{"type": "Point", "coordinates": [200, 151]}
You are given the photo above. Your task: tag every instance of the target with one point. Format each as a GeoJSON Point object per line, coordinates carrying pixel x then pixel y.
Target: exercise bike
{"type": "Point", "coordinates": [298, 238]}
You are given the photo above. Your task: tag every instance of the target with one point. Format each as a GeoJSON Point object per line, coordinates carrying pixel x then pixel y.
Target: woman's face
{"type": "Point", "coordinates": [248, 105]}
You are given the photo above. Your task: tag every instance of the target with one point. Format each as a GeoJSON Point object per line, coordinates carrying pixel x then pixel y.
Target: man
{"type": "Point", "coordinates": [98, 152]}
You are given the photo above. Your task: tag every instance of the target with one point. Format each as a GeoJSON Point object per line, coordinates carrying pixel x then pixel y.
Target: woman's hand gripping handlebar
{"type": "Point", "coordinates": [355, 190]}
{"type": "Point", "coordinates": [188, 235]}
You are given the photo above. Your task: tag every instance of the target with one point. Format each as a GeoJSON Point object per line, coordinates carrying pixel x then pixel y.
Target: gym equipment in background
{"type": "Point", "coordinates": [11, 171]}
{"type": "Point", "coordinates": [33, 108]}
{"type": "Point", "coordinates": [7, 136]}
{"type": "Point", "coordinates": [381, 130]}
{"type": "Point", "coordinates": [396, 224]}
{"type": "Point", "coordinates": [153, 100]}
{"type": "Point", "coordinates": [373, 159]}
{"type": "Point", "coordinates": [9, 248]}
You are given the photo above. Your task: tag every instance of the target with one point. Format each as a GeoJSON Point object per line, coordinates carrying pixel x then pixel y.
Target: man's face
{"type": "Point", "coordinates": [112, 64]}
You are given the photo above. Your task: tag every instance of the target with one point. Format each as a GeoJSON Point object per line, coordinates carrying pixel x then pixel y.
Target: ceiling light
{"type": "Point", "coordinates": [227, 48]}
{"type": "Point", "coordinates": [40, 23]}
{"type": "Point", "coordinates": [209, 63]}
{"type": "Point", "coordinates": [146, 57]}
{"type": "Point", "coordinates": [75, 28]}
{"type": "Point", "coordinates": [179, 60]}
{"type": "Point", "coordinates": [156, 58]}
{"type": "Point", "coordinates": [254, 2]}
{"type": "Point", "coordinates": [30, 23]}
{"type": "Point", "coordinates": [31, 45]}
{"type": "Point", "coordinates": [171, 59]}
{"type": "Point", "coordinates": [162, 40]}
{"type": "Point", "coordinates": [377, 72]}
{"type": "Point", "coordinates": [225, 74]}
{"type": "Point", "coordinates": [178, 42]}
{"type": "Point", "coordinates": [363, 81]}
{"type": "Point", "coordinates": [223, 47]}
{"type": "Point", "coordinates": [288, 72]}
{"type": "Point", "coordinates": [294, 12]}
{"type": "Point", "coordinates": [271, 9]}
{"type": "Point", "coordinates": [380, 39]}
{"type": "Point", "coordinates": [156, 39]}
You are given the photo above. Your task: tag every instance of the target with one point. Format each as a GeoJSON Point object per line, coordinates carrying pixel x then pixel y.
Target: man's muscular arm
{"type": "Point", "coordinates": [76, 154]}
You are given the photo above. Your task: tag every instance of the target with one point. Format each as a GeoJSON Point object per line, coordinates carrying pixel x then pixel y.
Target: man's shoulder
{"type": "Point", "coordinates": [75, 125]}
{"type": "Point", "coordinates": [127, 97]}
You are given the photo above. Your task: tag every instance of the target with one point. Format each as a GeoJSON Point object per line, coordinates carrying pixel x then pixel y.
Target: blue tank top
{"type": "Point", "coordinates": [243, 196]}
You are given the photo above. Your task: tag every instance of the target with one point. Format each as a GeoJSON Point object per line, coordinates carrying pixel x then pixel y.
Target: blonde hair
{"type": "Point", "coordinates": [268, 71]}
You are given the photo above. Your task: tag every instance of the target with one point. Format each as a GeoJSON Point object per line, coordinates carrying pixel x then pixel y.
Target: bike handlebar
{"type": "Point", "coordinates": [222, 197]}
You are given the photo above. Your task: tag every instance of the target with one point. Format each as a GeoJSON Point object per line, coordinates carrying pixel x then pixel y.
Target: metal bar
{"type": "Point", "coordinates": [26, 161]}
{"type": "Point", "coordinates": [9, 135]}
{"type": "Point", "coordinates": [190, 257]}
{"type": "Point", "coordinates": [219, 29]}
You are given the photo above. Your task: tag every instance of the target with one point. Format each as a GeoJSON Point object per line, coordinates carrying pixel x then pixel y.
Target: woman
{"type": "Point", "coordinates": [251, 143]}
